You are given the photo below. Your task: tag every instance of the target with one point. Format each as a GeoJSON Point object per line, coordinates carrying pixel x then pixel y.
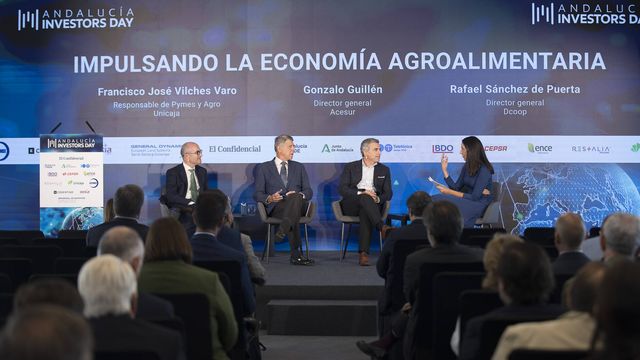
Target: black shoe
{"type": "Point", "coordinates": [374, 351]}
{"type": "Point", "coordinates": [300, 261]}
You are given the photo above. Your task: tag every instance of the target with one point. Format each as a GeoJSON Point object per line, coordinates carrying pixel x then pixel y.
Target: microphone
{"type": "Point", "coordinates": [55, 128]}
{"type": "Point", "coordinates": [90, 127]}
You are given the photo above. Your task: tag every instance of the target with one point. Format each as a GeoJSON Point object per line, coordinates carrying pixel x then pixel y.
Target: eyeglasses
{"type": "Point", "coordinates": [199, 152]}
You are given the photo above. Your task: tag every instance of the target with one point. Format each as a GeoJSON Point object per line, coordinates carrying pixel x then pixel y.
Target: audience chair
{"type": "Point", "coordinates": [479, 237]}
{"type": "Point", "coordinates": [165, 211]}
{"type": "Point", "coordinates": [491, 216]}
{"type": "Point", "coordinates": [542, 236]}
{"type": "Point", "coordinates": [73, 234]}
{"type": "Point", "coordinates": [193, 309]}
{"type": "Point", "coordinates": [530, 354]}
{"type": "Point", "coordinates": [394, 288]}
{"type": "Point", "coordinates": [556, 295]}
{"type": "Point", "coordinates": [6, 286]}
{"type": "Point", "coordinates": [350, 220]}
{"type": "Point", "coordinates": [272, 221]}
{"type": "Point", "coordinates": [6, 307]}
{"type": "Point", "coordinates": [22, 236]}
{"type": "Point", "coordinates": [18, 269]}
{"type": "Point", "coordinates": [594, 231]}
{"type": "Point", "coordinates": [71, 246]}
{"type": "Point", "coordinates": [446, 287]}
{"type": "Point", "coordinates": [492, 330]}
{"type": "Point", "coordinates": [232, 270]}
{"type": "Point", "coordinates": [472, 303]}
{"type": "Point", "coordinates": [71, 278]}
{"type": "Point", "coordinates": [421, 317]}
{"type": "Point", "coordinates": [69, 265]}
{"type": "Point", "coordinates": [42, 257]}
{"type": "Point", "coordinates": [126, 355]}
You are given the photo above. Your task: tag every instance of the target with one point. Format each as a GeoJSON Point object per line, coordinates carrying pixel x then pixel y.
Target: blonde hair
{"type": "Point", "coordinates": [492, 254]}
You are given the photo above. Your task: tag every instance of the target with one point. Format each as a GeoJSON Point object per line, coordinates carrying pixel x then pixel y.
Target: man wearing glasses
{"type": "Point", "coordinates": [184, 183]}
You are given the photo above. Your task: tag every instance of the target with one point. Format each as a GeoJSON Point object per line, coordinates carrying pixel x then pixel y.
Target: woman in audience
{"type": "Point", "coordinates": [168, 269]}
{"type": "Point", "coordinates": [618, 313]}
{"type": "Point", "coordinates": [108, 213]}
{"type": "Point", "coordinates": [492, 254]}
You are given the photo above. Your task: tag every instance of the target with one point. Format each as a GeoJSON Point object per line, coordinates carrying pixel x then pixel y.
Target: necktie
{"type": "Point", "coordinates": [193, 187]}
{"type": "Point", "coordinates": [283, 172]}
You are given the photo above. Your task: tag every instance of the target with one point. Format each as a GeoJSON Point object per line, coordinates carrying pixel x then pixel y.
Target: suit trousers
{"type": "Point", "coordinates": [370, 217]}
{"type": "Point", "coordinates": [289, 210]}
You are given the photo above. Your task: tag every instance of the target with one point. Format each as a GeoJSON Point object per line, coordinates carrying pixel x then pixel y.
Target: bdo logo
{"type": "Point", "coordinates": [442, 149]}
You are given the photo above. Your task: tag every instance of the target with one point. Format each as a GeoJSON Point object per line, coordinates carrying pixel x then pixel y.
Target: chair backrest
{"type": "Point", "coordinates": [491, 215]}
{"type": "Point", "coordinates": [6, 285]}
{"type": "Point", "coordinates": [6, 306]}
{"type": "Point", "coordinates": [478, 237]}
{"type": "Point", "coordinates": [262, 211]}
{"type": "Point", "coordinates": [71, 278]}
{"type": "Point", "coordinates": [394, 288]}
{"type": "Point", "coordinates": [42, 257]}
{"type": "Point", "coordinates": [542, 236]}
{"type": "Point", "coordinates": [126, 355]}
{"type": "Point", "coordinates": [18, 269]}
{"type": "Point", "coordinates": [530, 354]}
{"type": "Point", "coordinates": [492, 329]}
{"type": "Point", "coordinates": [446, 287]}
{"type": "Point", "coordinates": [423, 305]}
{"type": "Point", "coordinates": [385, 210]}
{"type": "Point", "coordinates": [594, 231]}
{"type": "Point", "coordinates": [556, 295]}
{"type": "Point", "coordinates": [69, 265]}
{"type": "Point", "coordinates": [175, 323]}
{"type": "Point", "coordinates": [71, 246]}
{"type": "Point", "coordinates": [73, 234]}
{"type": "Point", "coordinates": [21, 235]}
{"type": "Point", "coordinates": [193, 309]}
{"type": "Point", "coordinates": [472, 303]}
{"type": "Point", "coordinates": [233, 271]}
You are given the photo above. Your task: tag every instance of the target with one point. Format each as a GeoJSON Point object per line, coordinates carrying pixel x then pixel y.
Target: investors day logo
{"type": "Point", "coordinates": [592, 13]}
{"type": "Point", "coordinates": [4, 150]}
{"type": "Point", "coordinates": [71, 19]}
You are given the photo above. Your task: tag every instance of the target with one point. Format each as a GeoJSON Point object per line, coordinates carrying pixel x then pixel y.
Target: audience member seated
{"type": "Point", "coordinates": [525, 281]}
{"type": "Point", "coordinates": [127, 203]}
{"type": "Point", "coordinates": [126, 244]}
{"type": "Point", "coordinates": [48, 291]}
{"type": "Point", "coordinates": [108, 286]}
{"type": "Point", "coordinates": [107, 212]}
{"type": "Point", "coordinates": [492, 253]}
{"type": "Point", "coordinates": [572, 331]}
{"type": "Point", "coordinates": [46, 332]}
{"type": "Point", "coordinates": [444, 227]}
{"type": "Point", "coordinates": [619, 237]}
{"type": "Point", "coordinates": [568, 237]}
{"type": "Point", "coordinates": [241, 242]}
{"type": "Point", "coordinates": [618, 314]}
{"type": "Point", "coordinates": [208, 215]}
{"type": "Point", "coordinates": [168, 269]}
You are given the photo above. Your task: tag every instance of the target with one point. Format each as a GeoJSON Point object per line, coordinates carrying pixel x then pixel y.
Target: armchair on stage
{"type": "Point", "coordinates": [345, 219]}
{"type": "Point", "coordinates": [270, 221]}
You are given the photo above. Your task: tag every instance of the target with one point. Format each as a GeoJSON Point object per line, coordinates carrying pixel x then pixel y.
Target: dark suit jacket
{"type": "Point", "coordinates": [95, 233]}
{"type": "Point", "coordinates": [177, 185]}
{"type": "Point", "coordinates": [268, 181]}
{"type": "Point", "coordinates": [413, 231]}
{"type": "Point", "coordinates": [569, 263]}
{"type": "Point", "coordinates": [151, 307]}
{"type": "Point", "coordinates": [208, 247]}
{"type": "Point", "coordinates": [471, 340]}
{"type": "Point", "coordinates": [123, 333]}
{"type": "Point", "coordinates": [452, 253]}
{"type": "Point", "coordinates": [352, 174]}
{"type": "Point", "coordinates": [231, 238]}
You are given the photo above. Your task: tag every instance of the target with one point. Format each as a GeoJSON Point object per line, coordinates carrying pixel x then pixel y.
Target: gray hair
{"type": "Point", "coordinates": [281, 139]}
{"type": "Point", "coordinates": [122, 242]}
{"type": "Point", "coordinates": [622, 233]}
{"type": "Point", "coordinates": [106, 284]}
{"type": "Point", "coordinates": [364, 145]}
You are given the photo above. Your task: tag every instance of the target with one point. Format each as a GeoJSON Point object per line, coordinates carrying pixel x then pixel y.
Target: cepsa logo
{"type": "Point", "coordinates": [494, 148]}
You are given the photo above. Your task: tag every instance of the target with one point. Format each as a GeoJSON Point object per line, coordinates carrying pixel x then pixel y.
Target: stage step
{"type": "Point", "coordinates": [322, 317]}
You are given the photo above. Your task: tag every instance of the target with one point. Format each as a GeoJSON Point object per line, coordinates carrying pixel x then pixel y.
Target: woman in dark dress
{"type": "Point", "coordinates": [472, 191]}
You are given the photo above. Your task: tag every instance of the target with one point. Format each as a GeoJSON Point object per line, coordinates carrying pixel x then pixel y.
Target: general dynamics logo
{"type": "Point", "coordinates": [4, 150]}
{"type": "Point", "coordinates": [89, 18]}
{"type": "Point", "coordinates": [584, 14]}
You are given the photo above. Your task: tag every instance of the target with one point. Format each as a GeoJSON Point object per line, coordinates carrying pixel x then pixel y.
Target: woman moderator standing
{"type": "Point", "coordinates": [472, 191]}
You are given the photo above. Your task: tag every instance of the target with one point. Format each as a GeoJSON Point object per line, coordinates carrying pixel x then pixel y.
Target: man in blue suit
{"type": "Point", "coordinates": [283, 186]}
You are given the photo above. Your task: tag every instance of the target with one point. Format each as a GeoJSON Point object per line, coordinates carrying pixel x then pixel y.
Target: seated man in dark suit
{"type": "Point", "coordinates": [365, 185]}
{"type": "Point", "coordinates": [46, 332]}
{"type": "Point", "coordinates": [525, 281]}
{"type": "Point", "coordinates": [209, 216]}
{"type": "Point", "coordinates": [568, 237]}
{"type": "Point", "coordinates": [109, 288]}
{"type": "Point", "coordinates": [416, 203]}
{"type": "Point", "coordinates": [125, 243]}
{"type": "Point", "coordinates": [283, 186]}
{"type": "Point", "coordinates": [127, 203]}
{"type": "Point", "coordinates": [183, 184]}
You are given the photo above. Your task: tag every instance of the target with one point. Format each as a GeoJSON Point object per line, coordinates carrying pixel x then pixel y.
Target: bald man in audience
{"type": "Point", "coordinates": [620, 237]}
{"type": "Point", "coordinates": [569, 234]}
{"type": "Point", "coordinates": [125, 243]}
{"type": "Point", "coordinates": [571, 331]}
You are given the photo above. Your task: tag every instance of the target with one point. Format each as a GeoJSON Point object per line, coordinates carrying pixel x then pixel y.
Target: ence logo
{"type": "Point", "coordinates": [636, 147]}
{"type": "Point", "coordinates": [540, 149]}
{"type": "Point", "coordinates": [4, 150]}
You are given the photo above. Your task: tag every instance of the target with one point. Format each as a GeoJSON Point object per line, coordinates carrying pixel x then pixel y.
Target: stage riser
{"type": "Point", "coordinates": [322, 317]}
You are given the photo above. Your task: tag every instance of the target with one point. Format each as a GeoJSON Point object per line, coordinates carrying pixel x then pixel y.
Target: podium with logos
{"type": "Point", "coordinates": [71, 182]}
